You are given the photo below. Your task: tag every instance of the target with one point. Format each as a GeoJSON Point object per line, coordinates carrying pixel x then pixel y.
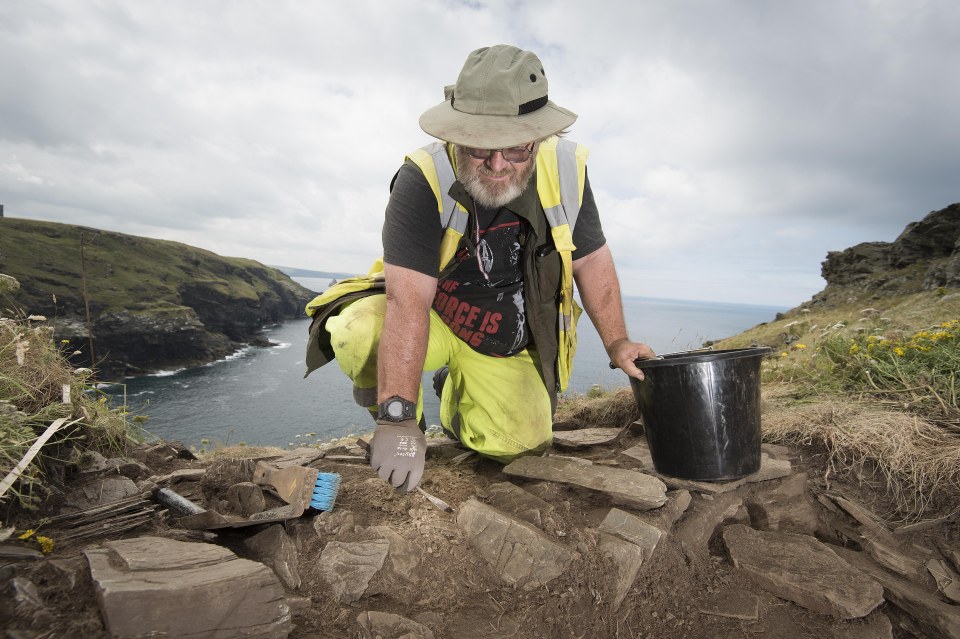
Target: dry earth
{"type": "Point", "coordinates": [441, 581]}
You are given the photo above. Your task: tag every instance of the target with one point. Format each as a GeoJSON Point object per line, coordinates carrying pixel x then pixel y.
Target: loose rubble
{"type": "Point", "coordinates": [586, 541]}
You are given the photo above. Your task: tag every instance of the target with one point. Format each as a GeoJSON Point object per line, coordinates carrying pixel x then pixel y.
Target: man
{"type": "Point", "coordinates": [483, 239]}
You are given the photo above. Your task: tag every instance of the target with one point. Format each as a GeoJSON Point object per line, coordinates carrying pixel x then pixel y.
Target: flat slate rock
{"type": "Point", "coordinates": [802, 570]}
{"type": "Point", "coordinates": [511, 498]}
{"type": "Point", "coordinates": [890, 552]}
{"type": "Point", "coordinates": [276, 549]}
{"type": "Point", "coordinates": [697, 528]}
{"type": "Point", "coordinates": [641, 453]}
{"type": "Point", "coordinates": [150, 586]}
{"type": "Point", "coordinates": [628, 559]}
{"type": "Point", "coordinates": [385, 625]}
{"type": "Point", "coordinates": [632, 529]}
{"type": "Point", "coordinates": [586, 437]}
{"type": "Point", "coordinates": [937, 619]}
{"type": "Point", "coordinates": [627, 487]}
{"type": "Point", "coordinates": [735, 604]}
{"type": "Point", "coordinates": [521, 554]}
{"type": "Point", "coordinates": [349, 566]}
{"type": "Point", "coordinates": [100, 492]}
{"type": "Point", "coordinates": [769, 469]}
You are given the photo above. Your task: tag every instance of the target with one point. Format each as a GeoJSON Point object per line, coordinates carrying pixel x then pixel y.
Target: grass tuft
{"type": "Point", "coordinates": [37, 386]}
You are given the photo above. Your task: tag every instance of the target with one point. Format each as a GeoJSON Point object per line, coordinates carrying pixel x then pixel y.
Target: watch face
{"type": "Point", "coordinates": [395, 408]}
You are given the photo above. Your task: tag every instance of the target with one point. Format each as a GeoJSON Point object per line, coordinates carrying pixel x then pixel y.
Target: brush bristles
{"type": "Point", "coordinates": [325, 491]}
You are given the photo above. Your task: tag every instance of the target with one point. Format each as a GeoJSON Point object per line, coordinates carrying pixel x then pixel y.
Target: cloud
{"type": "Point", "coordinates": [732, 143]}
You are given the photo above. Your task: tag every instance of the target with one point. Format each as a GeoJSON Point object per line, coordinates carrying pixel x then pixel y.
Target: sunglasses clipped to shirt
{"type": "Point", "coordinates": [513, 155]}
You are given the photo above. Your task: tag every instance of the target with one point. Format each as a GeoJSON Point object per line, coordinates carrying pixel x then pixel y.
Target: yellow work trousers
{"type": "Point", "coordinates": [497, 406]}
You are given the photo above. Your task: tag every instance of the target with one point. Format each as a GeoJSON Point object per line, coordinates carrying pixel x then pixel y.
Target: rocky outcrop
{"type": "Point", "coordinates": [152, 304]}
{"type": "Point", "coordinates": [925, 257]}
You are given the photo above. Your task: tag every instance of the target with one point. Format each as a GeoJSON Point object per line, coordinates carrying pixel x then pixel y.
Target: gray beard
{"type": "Point", "coordinates": [492, 196]}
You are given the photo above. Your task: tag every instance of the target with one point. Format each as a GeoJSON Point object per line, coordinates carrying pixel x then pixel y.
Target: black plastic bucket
{"type": "Point", "coordinates": [701, 412]}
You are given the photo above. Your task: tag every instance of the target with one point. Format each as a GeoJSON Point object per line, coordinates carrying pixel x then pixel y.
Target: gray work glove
{"type": "Point", "coordinates": [397, 453]}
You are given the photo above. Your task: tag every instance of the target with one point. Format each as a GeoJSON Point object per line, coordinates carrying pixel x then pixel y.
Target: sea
{"type": "Point", "coordinates": [259, 396]}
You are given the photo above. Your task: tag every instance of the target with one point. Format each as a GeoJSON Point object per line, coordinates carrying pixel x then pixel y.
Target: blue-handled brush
{"type": "Point", "coordinates": [325, 491]}
{"type": "Point", "coordinates": [300, 486]}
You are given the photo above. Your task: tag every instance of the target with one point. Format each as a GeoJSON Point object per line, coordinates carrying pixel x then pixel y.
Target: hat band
{"type": "Point", "coordinates": [523, 109]}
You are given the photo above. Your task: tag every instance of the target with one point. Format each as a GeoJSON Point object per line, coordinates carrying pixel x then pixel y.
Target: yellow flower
{"type": "Point", "coordinates": [799, 347]}
{"type": "Point", "coordinates": [46, 544]}
{"type": "Point", "coordinates": [854, 349]}
{"type": "Point", "coordinates": [783, 354]}
{"type": "Point", "coordinates": [899, 351]}
{"type": "Point", "coordinates": [28, 534]}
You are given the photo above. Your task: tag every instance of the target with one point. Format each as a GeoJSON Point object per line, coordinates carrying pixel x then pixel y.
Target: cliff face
{"type": "Point", "coordinates": [925, 257]}
{"type": "Point", "coordinates": [154, 304]}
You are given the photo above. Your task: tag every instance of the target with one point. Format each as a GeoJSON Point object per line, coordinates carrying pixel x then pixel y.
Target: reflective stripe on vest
{"type": "Point", "coordinates": [561, 174]}
{"type": "Point", "coordinates": [435, 163]}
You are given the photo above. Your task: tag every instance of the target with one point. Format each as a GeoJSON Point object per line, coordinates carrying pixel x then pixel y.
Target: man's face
{"type": "Point", "coordinates": [494, 181]}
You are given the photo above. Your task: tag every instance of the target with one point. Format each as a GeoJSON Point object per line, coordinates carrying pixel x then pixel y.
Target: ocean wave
{"type": "Point", "coordinates": [163, 373]}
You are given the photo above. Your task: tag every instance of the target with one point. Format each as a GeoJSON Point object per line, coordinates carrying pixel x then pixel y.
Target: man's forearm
{"type": "Point", "coordinates": [406, 330]}
{"type": "Point", "coordinates": [599, 289]}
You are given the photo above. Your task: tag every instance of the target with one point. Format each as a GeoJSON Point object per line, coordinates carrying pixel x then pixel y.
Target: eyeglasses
{"type": "Point", "coordinates": [513, 155]}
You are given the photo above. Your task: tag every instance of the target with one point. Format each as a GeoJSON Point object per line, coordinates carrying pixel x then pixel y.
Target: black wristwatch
{"type": "Point", "coordinates": [397, 409]}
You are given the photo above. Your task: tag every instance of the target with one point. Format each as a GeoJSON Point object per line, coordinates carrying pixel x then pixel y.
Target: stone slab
{"type": "Point", "coordinates": [349, 566]}
{"type": "Point", "coordinates": [887, 550]}
{"type": "Point", "coordinates": [404, 557]}
{"type": "Point", "coordinates": [183, 474]}
{"type": "Point", "coordinates": [678, 501]}
{"type": "Point", "coordinates": [769, 469]}
{"type": "Point", "coordinates": [876, 625]}
{"type": "Point", "coordinates": [101, 491]}
{"type": "Point", "coordinates": [276, 549]}
{"type": "Point", "coordinates": [18, 552]}
{"type": "Point", "coordinates": [385, 625]}
{"type": "Point", "coordinates": [626, 487]}
{"type": "Point", "coordinates": [521, 554]}
{"type": "Point", "coordinates": [628, 559]}
{"type": "Point", "coordinates": [511, 498]}
{"type": "Point", "coordinates": [937, 619]}
{"type": "Point", "coordinates": [641, 453]}
{"type": "Point", "coordinates": [246, 498]}
{"type": "Point", "coordinates": [150, 586]}
{"type": "Point", "coordinates": [800, 569]}
{"type": "Point", "coordinates": [632, 529]}
{"type": "Point", "coordinates": [586, 437]}
{"type": "Point", "coordinates": [697, 528]}
{"type": "Point", "coordinates": [734, 604]}
{"type": "Point", "coordinates": [787, 507]}
{"type": "Point", "coordinates": [948, 581]}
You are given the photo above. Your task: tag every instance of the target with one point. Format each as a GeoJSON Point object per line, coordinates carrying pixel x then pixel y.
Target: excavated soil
{"type": "Point", "coordinates": [453, 591]}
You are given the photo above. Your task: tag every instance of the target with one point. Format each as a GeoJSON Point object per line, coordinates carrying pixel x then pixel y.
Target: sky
{"type": "Point", "coordinates": [733, 143]}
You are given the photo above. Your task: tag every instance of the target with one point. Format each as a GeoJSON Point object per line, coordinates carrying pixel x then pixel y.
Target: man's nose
{"type": "Point", "coordinates": [496, 161]}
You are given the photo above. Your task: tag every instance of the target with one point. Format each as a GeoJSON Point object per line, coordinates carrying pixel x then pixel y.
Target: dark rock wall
{"type": "Point", "coordinates": [926, 256]}
{"type": "Point", "coordinates": [153, 304]}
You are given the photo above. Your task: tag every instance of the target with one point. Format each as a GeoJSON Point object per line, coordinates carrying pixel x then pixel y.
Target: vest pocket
{"type": "Point", "coordinates": [546, 262]}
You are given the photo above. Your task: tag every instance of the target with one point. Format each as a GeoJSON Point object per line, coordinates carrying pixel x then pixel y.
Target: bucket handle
{"type": "Point", "coordinates": [646, 359]}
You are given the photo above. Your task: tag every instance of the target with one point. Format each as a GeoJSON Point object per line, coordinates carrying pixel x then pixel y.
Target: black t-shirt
{"type": "Point", "coordinates": [482, 299]}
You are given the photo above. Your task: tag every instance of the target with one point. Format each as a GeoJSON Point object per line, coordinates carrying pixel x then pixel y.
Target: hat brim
{"type": "Point", "coordinates": [494, 131]}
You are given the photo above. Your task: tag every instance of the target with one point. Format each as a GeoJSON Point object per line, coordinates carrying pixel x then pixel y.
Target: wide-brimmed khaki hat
{"type": "Point", "coordinates": [500, 100]}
